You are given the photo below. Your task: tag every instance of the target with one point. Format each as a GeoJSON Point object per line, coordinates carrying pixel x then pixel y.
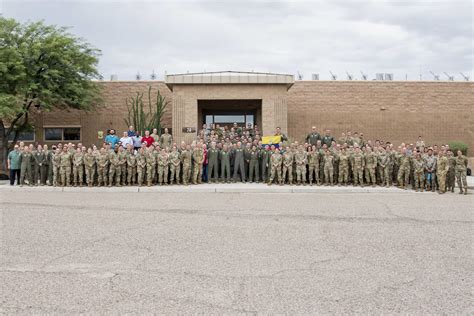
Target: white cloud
{"type": "Point", "coordinates": [309, 36]}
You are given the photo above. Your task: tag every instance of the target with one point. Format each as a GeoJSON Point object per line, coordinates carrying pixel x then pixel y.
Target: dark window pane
{"type": "Point", "coordinates": [72, 133]}
{"type": "Point", "coordinates": [24, 136]}
{"type": "Point", "coordinates": [53, 133]}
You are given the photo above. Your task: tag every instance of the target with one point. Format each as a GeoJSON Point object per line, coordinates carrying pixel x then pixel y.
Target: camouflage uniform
{"type": "Point", "coordinates": [419, 168]}
{"type": "Point", "coordinates": [131, 168]}
{"type": "Point", "coordinates": [343, 168]}
{"type": "Point", "coordinates": [288, 158]}
{"type": "Point", "coordinates": [175, 166]}
{"type": "Point", "coordinates": [186, 159]}
{"type": "Point", "coordinates": [198, 158]}
{"type": "Point", "coordinates": [404, 171]}
{"type": "Point", "coordinates": [441, 171]}
{"type": "Point", "coordinates": [65, 168]}
{"type": "Point", "coordinates": [150, 166]}
{"type": "Point", "coordinates": [358, 168]}
{"type": "Point", "coordinates": [115, 169]}
{"type": "Point", "coordinates": [371, 164]}
{"type": "Point", "coordinates": [121, 172]}
{"type": "Point", "coordinates": [78, 168]}
{"type": "Point", "coordinates": [276, 160]}
{"type": "Point", "coordinates": [89, 164]}
{"type": "Point", "coordinates": [313, 166]}
{"type": "Point", "coordinates": [163, 168]}
{"type": "Point", "coordinates": [451, 176]}
{"type": "Point", "coordinates": [461, 172]}
{"type": "Point", "coordinates": [102, 164]}
{"type": "Point", "coordinates": [384, 163]}
{"type": "Point", "coordinates": [141, 167]}
{"type": "Point", "coordinates": [328, 169]}
{"type": "Point", "coordinates": [430, 172]}
{"type": "Point", "coordinates": [56, 164]}
{"type": "Point", "coordinates": [301, 160]}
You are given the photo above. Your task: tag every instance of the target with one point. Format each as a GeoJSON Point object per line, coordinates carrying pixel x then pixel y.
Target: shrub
{"type": "Point", "coordinates": [457, 145]}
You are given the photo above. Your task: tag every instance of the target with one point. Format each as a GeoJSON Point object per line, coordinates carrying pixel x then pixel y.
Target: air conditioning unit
{"type": "Point", "coordinates": [315, 76]}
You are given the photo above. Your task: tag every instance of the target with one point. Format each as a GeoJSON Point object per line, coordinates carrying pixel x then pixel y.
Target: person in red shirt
{"type": "Point", "coordinates": [147, 139]}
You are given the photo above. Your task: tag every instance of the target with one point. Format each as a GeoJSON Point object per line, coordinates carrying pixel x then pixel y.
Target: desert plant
{"type": "Point", "coordinates": [146, 117]}
{"type": "Point", "coordinates": [458, 145]}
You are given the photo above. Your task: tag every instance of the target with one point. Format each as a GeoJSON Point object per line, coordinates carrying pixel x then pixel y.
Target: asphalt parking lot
{"type": "Point", "coordinates": [117, 251]}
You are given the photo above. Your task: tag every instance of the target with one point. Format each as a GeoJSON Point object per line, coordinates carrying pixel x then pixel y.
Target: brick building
{"type": "Point", "coordinates": [397, 111]}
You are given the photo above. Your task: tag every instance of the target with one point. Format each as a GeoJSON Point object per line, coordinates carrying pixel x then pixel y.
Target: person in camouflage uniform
{"type": "Point", "coordinates": [461, 172]}
{"type": "Point", "coordinates": [175, 165]}
{"type": "Point", "coordinates": [451, 176]}
{"type": "Point", "coordinates": [358, 167]}
{"type": "Point", "coordinates": [313, 165]}
{"type": "Point", "coordinates": [56, 164]}
{"type": "Point", "coordinates": [150, 165]}
{"type": "Point", "coordinates": [65, 167]}
{"type": "Point", "coordinates": [253, 164]}
{"type": "Point", "coordinates": [121, 172]}
{"type": "Point", "coordinates": [343, 167]}
{"type": "Point", "coordinates": [89, 164]}
{"type": "Point", "coordinates": [419, 169]}
{"type": "Point", "coordinates": [163, 162]}
{"type": "Point", "coordinates": [141, 166]}
{"type": "Point", "coordinates": [224, 157]}
{"type": "Point", "coordinates": [102, 166]}
{"type": "Point", "coordinates": [186, 160]}
{"type": "Point", "coordinates": [47, 166]}
{"type": "Point", "coordinates": [384, 163]}
{"type": "Point", "coordinates": [276, 160]}
{"type": "Point", "coordinates": [288, 158]}
{"type": "Point", "coordinates": [371, 164]}
{"type": "Point", "coordinates": [25, 166]}
{"type": "Point", "coordinates": [78, 167]}
{"type": "Point", "coordinates": [131, 167]}
{"type": "Point", "coordinates": [301, 160]}
{"type": "Point", "coordinates": [404, 169]}
{"type": "Point", "coordinates": [442, 168]}
{"type": "Point", "coordinates": [166, 139]}
{"type": "Point", "coordinates": [198, 159]}
{"type": "Point", "coordinates": [328, 168]}
{"type": "Point", "coordinates": [114, 168]}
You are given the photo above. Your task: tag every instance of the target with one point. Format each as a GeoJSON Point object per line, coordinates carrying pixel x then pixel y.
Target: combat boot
{"type": "Point", "coordinates": [465, 191]}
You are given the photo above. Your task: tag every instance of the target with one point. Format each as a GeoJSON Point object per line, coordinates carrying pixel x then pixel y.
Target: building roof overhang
{"type": "Point", "coordinates": [229, 77]}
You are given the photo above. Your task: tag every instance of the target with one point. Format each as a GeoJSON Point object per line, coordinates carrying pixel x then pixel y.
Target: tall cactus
{"type": "Point", "coordinates": [146, 117]}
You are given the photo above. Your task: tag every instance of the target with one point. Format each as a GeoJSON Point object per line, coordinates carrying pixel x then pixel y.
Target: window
{"type": "Point", "coordinates": [25, 136]}
{"type": "Point", "coordinates": [62, 133]}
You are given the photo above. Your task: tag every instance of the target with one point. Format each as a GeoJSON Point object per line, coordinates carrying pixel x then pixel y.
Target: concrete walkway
{"type": "Point", "coordinates": [222, 188]}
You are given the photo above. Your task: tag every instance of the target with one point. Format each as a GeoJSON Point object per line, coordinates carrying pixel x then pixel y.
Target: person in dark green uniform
{"type": "Point", "coordinates": [213, 163]}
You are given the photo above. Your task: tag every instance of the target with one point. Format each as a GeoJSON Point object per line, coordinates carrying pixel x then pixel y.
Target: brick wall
{"type": "Point", "coordinates": [394, 111]}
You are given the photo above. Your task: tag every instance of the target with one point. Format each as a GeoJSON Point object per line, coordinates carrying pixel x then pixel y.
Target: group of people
{"type": "Point", "coordinates": [237, 153]}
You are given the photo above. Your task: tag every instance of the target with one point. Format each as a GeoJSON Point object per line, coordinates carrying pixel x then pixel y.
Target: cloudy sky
{"type": "Point", "coordinates": [403, 37]}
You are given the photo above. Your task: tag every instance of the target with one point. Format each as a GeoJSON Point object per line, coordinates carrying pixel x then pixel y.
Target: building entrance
{"type": "Point", "coordinates": [227, 112]}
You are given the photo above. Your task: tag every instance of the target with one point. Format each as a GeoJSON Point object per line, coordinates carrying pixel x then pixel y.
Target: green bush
{"type": "Point", "coordinates": [457, 145]}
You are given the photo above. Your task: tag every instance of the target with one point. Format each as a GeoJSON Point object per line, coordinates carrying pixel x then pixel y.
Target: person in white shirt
{"type": "Point", "coordinates": [126, 140]}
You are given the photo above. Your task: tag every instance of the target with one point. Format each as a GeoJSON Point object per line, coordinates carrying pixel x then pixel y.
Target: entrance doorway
{"type": "Point", "coordinates": [227, 112]}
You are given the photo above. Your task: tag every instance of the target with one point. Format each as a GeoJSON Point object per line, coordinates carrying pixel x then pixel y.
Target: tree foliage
{"type": "Point", "coordinates": [42, 66]}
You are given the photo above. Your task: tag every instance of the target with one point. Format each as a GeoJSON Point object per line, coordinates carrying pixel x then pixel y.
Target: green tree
{"type": "Point", "coordinates": [42, 66]}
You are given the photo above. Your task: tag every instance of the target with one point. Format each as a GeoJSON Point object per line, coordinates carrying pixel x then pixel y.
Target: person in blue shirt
{"type": "Point", "coordinates": [112, 139]}
{"type": "Point", "coordinates": [131, 131]}
{"type": "Point", "coordinates": [14, 164]}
